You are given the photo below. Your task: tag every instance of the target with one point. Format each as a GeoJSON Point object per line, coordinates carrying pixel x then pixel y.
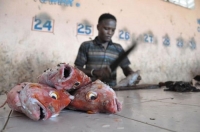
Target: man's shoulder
{"type": "Point", "coordinates": [87, 42]}
{"type": "Point", "coordinates": [117, 45]}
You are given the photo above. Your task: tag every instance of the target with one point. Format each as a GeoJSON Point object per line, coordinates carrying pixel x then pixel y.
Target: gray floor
{"type": "Point", "coordinates": [152, 110]}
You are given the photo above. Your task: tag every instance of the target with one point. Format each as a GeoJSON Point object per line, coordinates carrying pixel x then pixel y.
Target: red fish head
{"type": "Point", "coordinates": [42, 102]}
{"type": "Point", "coordinates": [96, 97]}
{"type": "Point", "coordinates": [65, 77]}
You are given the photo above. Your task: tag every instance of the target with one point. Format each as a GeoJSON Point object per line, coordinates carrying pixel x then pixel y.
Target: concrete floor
{"type": "Point", "coordinates": [152, 110]}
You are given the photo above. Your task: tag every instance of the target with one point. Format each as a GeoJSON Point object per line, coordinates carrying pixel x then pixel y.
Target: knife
{"type": "Point", "coordinates": [123, 55]}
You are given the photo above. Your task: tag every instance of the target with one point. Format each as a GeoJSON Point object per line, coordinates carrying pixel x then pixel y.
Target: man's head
{"type": "Point", "coordinates": [106, 27]}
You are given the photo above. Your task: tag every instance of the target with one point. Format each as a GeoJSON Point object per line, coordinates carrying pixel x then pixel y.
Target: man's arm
{"type": "Point", "coordinates": [102, 73]}
{"type": "Point", "coordinates": [81, 60]}
{"type": "Point", "coordinates": [127, 71]}
{"type": "Point", "coordinates": [87, 72]}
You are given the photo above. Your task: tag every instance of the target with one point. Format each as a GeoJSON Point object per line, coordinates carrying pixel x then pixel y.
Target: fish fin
{"type": "Point", "coordinates": [91, 112]}
{"type": "Point", "coordinates": [71, 108]}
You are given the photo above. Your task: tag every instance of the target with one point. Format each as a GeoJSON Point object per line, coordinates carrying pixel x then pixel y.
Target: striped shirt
{"type": "Point", "coordinates": [93, 55]}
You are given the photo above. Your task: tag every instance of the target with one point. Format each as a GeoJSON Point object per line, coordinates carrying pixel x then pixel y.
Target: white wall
{"type": "Point", "coordinates": [24, 53]}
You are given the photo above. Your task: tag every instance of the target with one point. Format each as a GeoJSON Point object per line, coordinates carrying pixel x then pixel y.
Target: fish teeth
{"type": "Point", "coordinates": [71, 97]}
{"type": "Point", "coordinates": [54, 115]}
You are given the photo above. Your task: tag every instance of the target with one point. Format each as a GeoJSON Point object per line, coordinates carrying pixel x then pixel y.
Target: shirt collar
{"type": "Point", "coordinates": [97, 41]}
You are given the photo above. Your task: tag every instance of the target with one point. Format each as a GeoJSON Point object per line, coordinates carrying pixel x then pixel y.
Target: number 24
{"type": "Point", "coordinates": [47, 25]}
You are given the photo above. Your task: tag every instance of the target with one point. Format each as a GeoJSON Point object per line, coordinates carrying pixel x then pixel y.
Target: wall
{"type": "Point", "coordinates": [25, 53]}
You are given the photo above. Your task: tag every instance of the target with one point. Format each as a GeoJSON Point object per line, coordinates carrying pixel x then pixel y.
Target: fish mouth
{"type": "Point", "coordinates": [42, 111]}
{"type": "Point", "coordinates": [67, 71]}
{"type": "Point", "coordinates": [113, 106]}
{"type": "Point", "coordinates": [119, 105]}
{"type": "Point", "coordinates": [36, 110]}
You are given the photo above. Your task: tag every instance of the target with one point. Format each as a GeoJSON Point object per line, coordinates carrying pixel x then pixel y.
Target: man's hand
{"type": "Point", "coordinates": [127, 71]}
{"type": "Point", "coordinates": [138, 79]}
{"type": "Point", "coordinates": [103, 73]}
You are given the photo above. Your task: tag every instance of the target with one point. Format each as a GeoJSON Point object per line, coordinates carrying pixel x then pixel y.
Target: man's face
{"type": "Point", "coordinates": [106, 29]}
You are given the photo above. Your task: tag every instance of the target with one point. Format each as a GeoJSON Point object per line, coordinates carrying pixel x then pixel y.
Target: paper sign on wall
{"type": "Point", "coordinates": [166, 41]}
{"type": "Point", "coordinates": [84, 29]}
{"type": "Point", "coordinates": [198, 22]}
{"type": "Point", "coordinates": [124, 35]}
{"type": "Point", "coordinates": [44, 25]}
{"type": "Point", "coordinates": [148, 38]}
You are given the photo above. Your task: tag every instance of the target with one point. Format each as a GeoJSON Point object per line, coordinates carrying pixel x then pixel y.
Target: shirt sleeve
{"type": "Point", "coordinates": [125, 62]}
{"type": "Point", "coordinates": [81, 58]}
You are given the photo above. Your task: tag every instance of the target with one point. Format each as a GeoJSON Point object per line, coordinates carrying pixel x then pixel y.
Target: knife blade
{"type": "Point", "coordinates": [123, 55]}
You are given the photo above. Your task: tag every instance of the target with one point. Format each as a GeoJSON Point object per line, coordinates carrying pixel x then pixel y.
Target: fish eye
{"type": "Point", "coordinates": [53, 95]}
{"type": "Point", "coordinates": [91, 95]}
{"type": "Point", "coordinates": [77, 84]}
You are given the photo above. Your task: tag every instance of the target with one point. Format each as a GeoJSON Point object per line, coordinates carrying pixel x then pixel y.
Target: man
{"type": "Point", "coordinates": [98, 54]}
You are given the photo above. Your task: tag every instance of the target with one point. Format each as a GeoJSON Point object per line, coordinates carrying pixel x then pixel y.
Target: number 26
{"type": "Point", "coordinates": [124, 35]}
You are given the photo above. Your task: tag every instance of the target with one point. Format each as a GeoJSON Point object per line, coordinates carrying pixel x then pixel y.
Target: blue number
{"type": "Point", "coordinates": [198, 21]}
{"type": "Point", "coordinates": [146, 38]}
{"type": "Point", "coordinates": [37, 24]}
{"type": "Point", "coordinates": [84, 29]}
{"type": "Point", "coordinates": [47, 25]}
{"type": "Point", "coordinates": [81, 26]}
{"type": "Point", "coordinates": [192, 45]}
{"type": "Point", "coordinates": [87, 29]}
{"type": "Point", "coordinates": [198, 29]}
{"type": "Point", "coordinates": [166, 41]}
{"type": "Point", "coordinates": [121, 34]}
{"type": "Point", "coordinates": [53, 1]}
{"type": "Point", "coordinates": [43, 1]}
{"type": "Point", "coordinates": [151, 39]}
{"type": "Point", "coordinates": [180, 44]}
{"type": "Point", "coordinates": [127, 36]}
{"type": "Point", "coordinates": [124, 35]}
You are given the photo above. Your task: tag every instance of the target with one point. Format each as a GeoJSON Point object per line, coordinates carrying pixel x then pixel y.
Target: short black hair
{"type": "Point", "coordinates": [106, 16]}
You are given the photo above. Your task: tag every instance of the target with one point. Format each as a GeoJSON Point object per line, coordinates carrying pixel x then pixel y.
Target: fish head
{"type": "Point", "coordinates": [40, 102]}
{"type": "Point", "coordinates": [96, 97]}
{"type": "Point", "coordinates": [71, 77]}
{"type": "Point", "coordinates": [64, 76]}
{"type": "Point", "coordinates": [13, 97]}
